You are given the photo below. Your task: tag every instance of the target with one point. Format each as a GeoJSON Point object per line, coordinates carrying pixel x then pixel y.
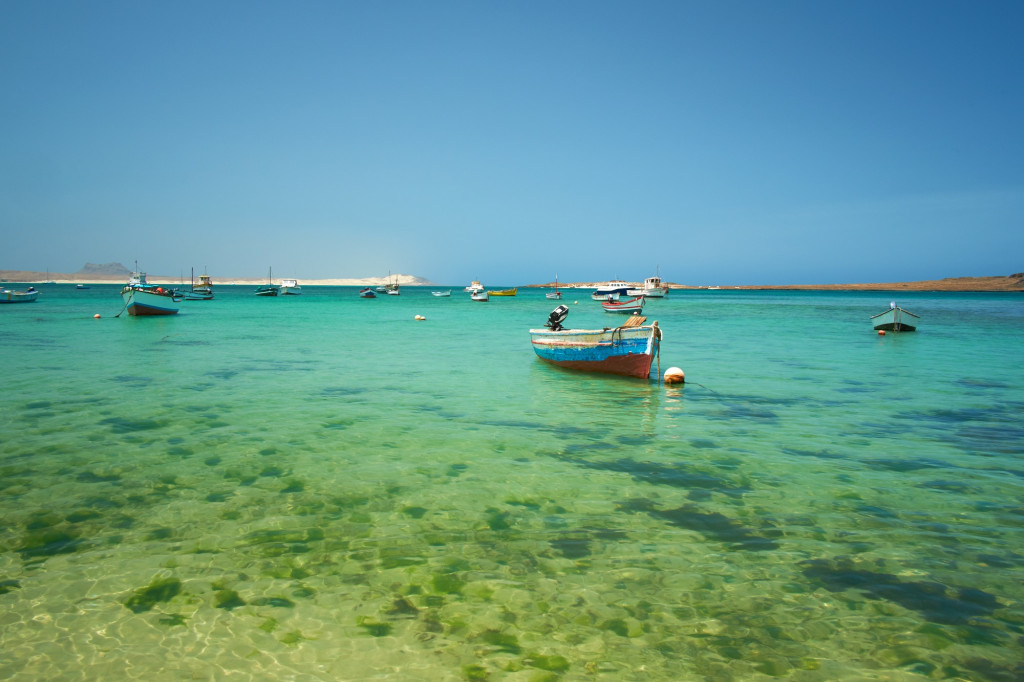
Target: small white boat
{"type": "Point", "coordinates": [474, 287]}
{"type": "Point", "coordinates": [441, 294]}
{"type": "Point", "coordinates": [555, 295]}
{"type": "Point", "coordinates": [367, 292]}
{"type": "Point", "coordinates": [12, 296]}
{"type": "Point", "coordinates": [652, 288]}
{"type": "Point", "coordinates": [479, 296]}
{"type": "Point", "coordinates": [895, 319]}
{"type": "Point", "coordinates": [290, 287]}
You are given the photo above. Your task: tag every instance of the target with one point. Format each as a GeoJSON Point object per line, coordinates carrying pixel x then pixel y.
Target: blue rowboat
{"type": "Point", "coordinates": [627, 350]}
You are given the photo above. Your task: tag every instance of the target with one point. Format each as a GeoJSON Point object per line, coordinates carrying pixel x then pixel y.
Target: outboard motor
{"type": "Point", "coordinates": [556, 318]}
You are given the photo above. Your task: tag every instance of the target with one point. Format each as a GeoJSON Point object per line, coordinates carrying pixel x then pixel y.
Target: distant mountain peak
{"type": "Point", "coordinates": [105, 269]}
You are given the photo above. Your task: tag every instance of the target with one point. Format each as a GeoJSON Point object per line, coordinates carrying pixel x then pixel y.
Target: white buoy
{"type": "Point", "coordinates": [674, 375]}
{"type": "Point", "coordinates": [420, 317]}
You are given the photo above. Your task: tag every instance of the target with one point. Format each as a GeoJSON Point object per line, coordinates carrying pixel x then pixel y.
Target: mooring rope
{"type": "Point", "coordinates": [130, 298]}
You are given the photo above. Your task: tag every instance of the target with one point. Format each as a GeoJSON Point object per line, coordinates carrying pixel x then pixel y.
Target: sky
{"type": "Point", "coordinates": [721, 142]}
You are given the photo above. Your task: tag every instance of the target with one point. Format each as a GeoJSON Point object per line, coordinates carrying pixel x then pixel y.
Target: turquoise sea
{"type": "Point", "coordinates": [323, 488]}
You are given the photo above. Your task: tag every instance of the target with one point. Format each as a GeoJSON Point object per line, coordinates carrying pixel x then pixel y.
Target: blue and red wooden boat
{"type": "Point", "coordinates": [628, 350]}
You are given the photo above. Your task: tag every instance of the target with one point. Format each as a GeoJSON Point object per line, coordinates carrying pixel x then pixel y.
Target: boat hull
{"type": "Point", "coordinates": [197, 296]}
{"type": "Point", "coordinates": [895, 320]}
{"type": "Point", "coordinates": [653, 292]}
{"type": "Point", "coordinates": [632, 306]}
{"type": "Point", "coordinates": [504, 292]}
{"type": "Point", "coordinates": [141, 303]}
{"type": "Point", "coordinates": [7, 296]}
{"type": "Point", "coordinates": [626, 351]}
{"type": "Point", "coordinates": [614, 289]}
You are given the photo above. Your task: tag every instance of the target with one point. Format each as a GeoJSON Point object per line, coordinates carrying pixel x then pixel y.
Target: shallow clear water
{"type": "Point", "coordinates": [322, 488]}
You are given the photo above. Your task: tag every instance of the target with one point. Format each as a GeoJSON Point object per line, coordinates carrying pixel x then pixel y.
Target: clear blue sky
{"type": "Point", "coordinates": [750, 142]}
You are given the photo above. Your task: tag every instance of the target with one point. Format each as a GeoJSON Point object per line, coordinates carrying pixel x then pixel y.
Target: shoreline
{"type": "Point", "coordinates": [1010, 283]}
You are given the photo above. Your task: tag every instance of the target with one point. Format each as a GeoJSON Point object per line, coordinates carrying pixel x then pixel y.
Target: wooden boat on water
{"type": "Point", "coordinates": [82, 286]}
{"type": "Point", "coordinates": [441, 294]}
{"type": "Point", "coordinates": [144, 299]}
{"type": "Point", "coordinates": [14, 296]}
{"type": "Point", "coordinates": [290, 287]}
{"type": "Point", "coordinates": [895, 319]}
{"type": "Point", "coordinates": [478, 296]}
{"type": "Point", "coordinates": [268, 289]}
{"type": "Point", "coordinates": [504, 292]}
{"type": "Point", "coordinates": [474, 286]}
{"type": "Point", "coordinates": [633, 306]}
{"type": "Point", "coordinates": [627, 350]}
{"type": "Point", "coordinates": [367, 292]}
{"type": "Point", "coordinates": [199, 292]}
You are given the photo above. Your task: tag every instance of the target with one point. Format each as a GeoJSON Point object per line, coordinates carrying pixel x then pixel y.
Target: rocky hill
{"type": "Point", "coordinates": [107, 270]}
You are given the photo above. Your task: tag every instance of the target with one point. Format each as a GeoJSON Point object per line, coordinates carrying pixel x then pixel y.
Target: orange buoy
{"type": "Point", "coordinates": [674, 375]}
{"type": "Point", "coordinates": [881, 332]}
{"type": "Point", "coordinates": [96, 316]}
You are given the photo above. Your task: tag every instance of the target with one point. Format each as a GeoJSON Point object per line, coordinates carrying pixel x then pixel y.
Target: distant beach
{"type": "Point", "coordinates": [1014, 282]}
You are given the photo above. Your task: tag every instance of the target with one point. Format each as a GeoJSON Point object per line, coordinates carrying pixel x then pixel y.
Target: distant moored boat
{"type": "Point", "coordinates": [895, 319]}
{"type": "Point", "coordinates": [633, 306]}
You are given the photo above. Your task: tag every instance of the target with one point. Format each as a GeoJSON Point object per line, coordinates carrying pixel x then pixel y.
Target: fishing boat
{"type": "Point", "coordinates": [627, 350]}
{"type": "Point", "coordinates": [82, 286]}
{"type": "Point", "coordinates": [555, 295]}
{"type": "Point", "coordinates": [895, 319]}
{"type": "Point", "coordinates": [143, 299]}
{"type": "Point", "coordinates": [13, 296]}
{"type": "Point", "coordinates": [479, 296]}
{"type": "Point", "coordinates": [198, 292]}
{"type": "Point", "coordinates": [382, 289]}
{"type": "Point", "coordinates": [475, 286]}
{"type": "Point", "coordinates": [392, 288]}
{"type": "Point", "coordinates": [652, 288]}
{"type": "Point", "coordinates": [268, 289]}
{"type": "Point", "coordinates": [633, 306]}
{"type": "Point", "coordinates": [205, 285]}
{"type": "Point", "coordinates": [367, 292]}
{"type": "Point", "coordinates": [290, 287]}
{"type": "Point", "coordinates": [614, 288]}
{"type": "Point", "coordinates": [504, 292]}
{"type": "Point", "coordinates": [441, 294]}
